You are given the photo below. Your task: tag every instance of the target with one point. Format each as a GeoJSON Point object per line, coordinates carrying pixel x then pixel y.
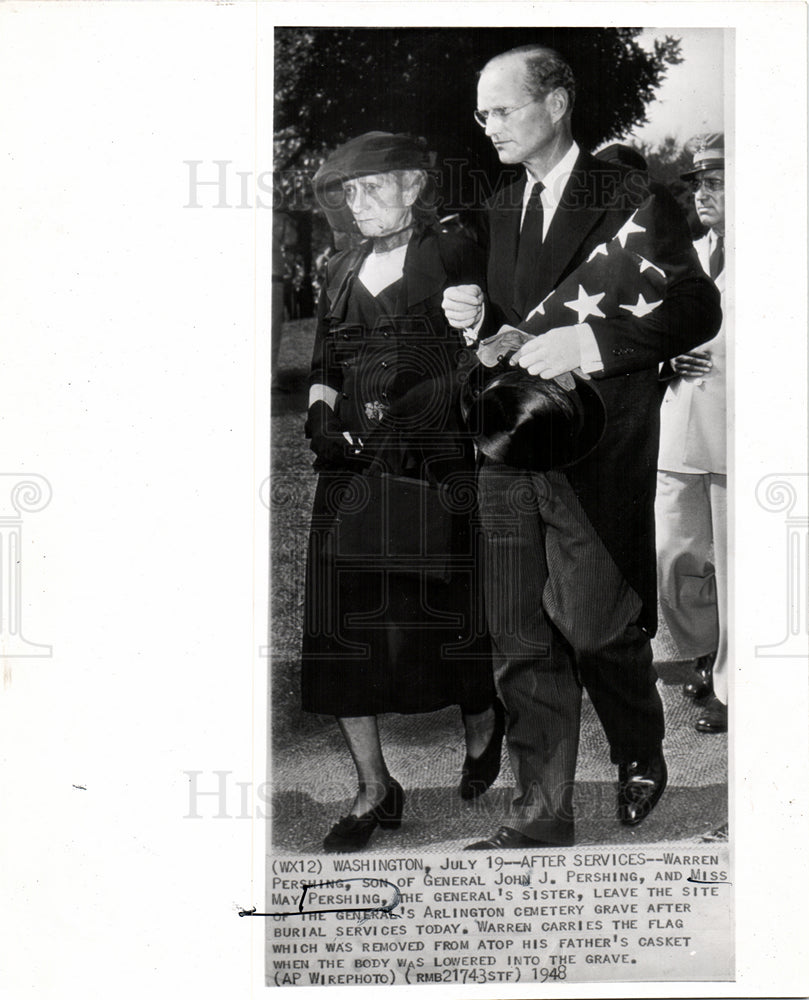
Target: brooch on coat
{"type": "Point", "coordinates": [376, 411]}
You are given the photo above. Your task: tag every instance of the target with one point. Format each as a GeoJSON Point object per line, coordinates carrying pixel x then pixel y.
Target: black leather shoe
{"type": "Point", "coordinates": [701, 685]}
{"type": "Point", "coordinates": [352, 833]}
{"type": "Point", "coordinates": [714, 718]}
{"type": "Point", "coordinates": [642, 782]}
{"type": "Point", "coordinates": [480, 773]}
{"type": "Point", "coordinates": [507, 839]}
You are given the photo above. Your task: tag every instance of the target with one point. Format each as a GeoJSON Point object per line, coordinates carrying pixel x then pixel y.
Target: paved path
{"type": "Point", "coordinates": [314, 783]}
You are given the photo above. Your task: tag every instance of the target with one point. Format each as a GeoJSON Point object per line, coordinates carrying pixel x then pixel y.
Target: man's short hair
{"type": "Point", "coordinates": [545, 70]}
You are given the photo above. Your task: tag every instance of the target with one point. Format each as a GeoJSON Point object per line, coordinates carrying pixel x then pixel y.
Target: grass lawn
{"type": "Point", "coordinates": [293, 487]}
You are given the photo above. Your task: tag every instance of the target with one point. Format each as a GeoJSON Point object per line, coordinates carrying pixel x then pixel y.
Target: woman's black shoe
{"type": "Point", "coordinates": [352, 833]}
{"type": "Point", "coordinates": [479, 773]}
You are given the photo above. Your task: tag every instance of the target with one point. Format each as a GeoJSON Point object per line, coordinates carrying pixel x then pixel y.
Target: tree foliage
{"type": "Point", "coordinates": [335, 83]}
{"type": "Point", "coordinates": [667, 161]}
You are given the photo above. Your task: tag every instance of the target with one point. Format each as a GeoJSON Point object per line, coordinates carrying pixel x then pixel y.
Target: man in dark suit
{"type": "Point", "coordinates": [570, 555]}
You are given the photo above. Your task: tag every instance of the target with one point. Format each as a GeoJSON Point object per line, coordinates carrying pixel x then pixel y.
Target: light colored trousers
{"type": "Point", "coordinates": [692, 567]}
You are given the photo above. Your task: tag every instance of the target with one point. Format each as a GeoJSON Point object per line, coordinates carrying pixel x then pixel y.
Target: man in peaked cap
{"type": "Point", "coordinates": [691, 505]}
{"type": "Point", "coordinates": [570, 555]}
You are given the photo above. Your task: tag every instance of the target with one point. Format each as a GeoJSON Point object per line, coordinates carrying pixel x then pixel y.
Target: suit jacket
{"type": "Point", "coordinates": [615, 483]}
{"type": "Point", "coordinates": [693, 432]}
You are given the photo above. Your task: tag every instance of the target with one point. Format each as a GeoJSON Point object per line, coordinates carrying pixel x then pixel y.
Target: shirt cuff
{"type": "Point", "coordinates": [590, 356]}
{"type": "Point", "coordinates": [320, 393]}
{"type": "Point", "coordinates": [470, 333]}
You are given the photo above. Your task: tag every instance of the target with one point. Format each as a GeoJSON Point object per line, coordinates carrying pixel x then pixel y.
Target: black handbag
{"type": "Point", "coordinates": [396, 523]}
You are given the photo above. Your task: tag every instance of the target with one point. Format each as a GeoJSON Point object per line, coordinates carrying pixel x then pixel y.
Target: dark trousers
{"type": "Point", "coordinates": [561, 616]}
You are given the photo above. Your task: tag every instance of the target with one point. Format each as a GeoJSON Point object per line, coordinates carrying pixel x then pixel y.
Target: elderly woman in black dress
{"type": "Point", "coordinates": [393, 615]}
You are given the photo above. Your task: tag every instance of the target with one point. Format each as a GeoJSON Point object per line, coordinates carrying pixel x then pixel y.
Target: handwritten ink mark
{"type": "Point", "coordinates": [300, 912]}
{"type": "Point", "coordinates": [82, 788]}
{"type": "Point", "coordinates": [386, 907]}
{"type": "Point", "coordinates": [699, 881]}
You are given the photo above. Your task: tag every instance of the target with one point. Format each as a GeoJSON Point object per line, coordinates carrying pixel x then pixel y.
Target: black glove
{"type": "Point", "coordinates": [326, 433]}
{"type": "Point", "coordinates": [332, 449]}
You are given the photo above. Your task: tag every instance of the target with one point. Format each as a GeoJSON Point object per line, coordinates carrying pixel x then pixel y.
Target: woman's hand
{"type": "Point", "coordinates": [326, 433]}
{"type": "Point", "coordinates": [333, 446]}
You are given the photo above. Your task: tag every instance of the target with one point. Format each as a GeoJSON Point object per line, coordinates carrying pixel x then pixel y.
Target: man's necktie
{"type": "Point", "coordinates": [716, 263]}
{"type": "Point", "coordinates": [529, 244]}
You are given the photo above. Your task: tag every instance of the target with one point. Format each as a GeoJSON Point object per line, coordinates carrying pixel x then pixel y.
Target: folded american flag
{"type": "Point", "coordinates": [618, 278]}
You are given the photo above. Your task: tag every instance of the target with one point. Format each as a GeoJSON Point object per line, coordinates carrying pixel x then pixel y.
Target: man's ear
{"type": "Point", "coordinates": [557, 103]}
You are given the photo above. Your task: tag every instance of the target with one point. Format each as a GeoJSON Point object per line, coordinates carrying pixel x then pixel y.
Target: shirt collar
{"type": "Point", "coordinates": [556, 178]}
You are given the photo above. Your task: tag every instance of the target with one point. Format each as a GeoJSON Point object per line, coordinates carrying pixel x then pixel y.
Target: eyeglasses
{"type": "Point", "coordinates": [711, 184]}
{"type": "Point", "coordinates": [498, 114]}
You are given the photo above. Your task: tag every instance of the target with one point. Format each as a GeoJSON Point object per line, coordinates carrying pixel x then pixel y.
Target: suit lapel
{"type": "Point", "coordinates": [576, 216]}
{"type": "Point", "coordinates": [592, 209]}
{"type": "Point", "coordinates": [338, 286]}
{"type": "Point", "coordinates": [702, 246]}
{"type": "Point", "coordinates": [504, 235]}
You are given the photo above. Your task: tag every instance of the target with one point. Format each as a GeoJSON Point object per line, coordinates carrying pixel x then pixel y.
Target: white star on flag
{"type": "Point", "coordinates": [586, 305]}
{"type": "Point", "coordinates": [537, 310]}
{"type": "Point", "coordinates": [601, 248]}
{"type": "Point", "coordinates": [628, 228]}
{"type": "Point", "coordinates": [641, 307]}
{"type": "Point", "coordinates": [646, 265]}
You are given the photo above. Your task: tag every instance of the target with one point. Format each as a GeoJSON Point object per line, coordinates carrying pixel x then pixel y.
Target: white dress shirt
{"type": "Point", "coordinates": [555, 181]}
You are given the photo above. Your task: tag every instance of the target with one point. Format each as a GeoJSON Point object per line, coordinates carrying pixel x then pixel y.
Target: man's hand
{"type": "Point", "coordinates": [550, 354]}
{"type": "Point", "coordinates": [694, 363]}
{"type": "Point", "coordinates": [463, 306]}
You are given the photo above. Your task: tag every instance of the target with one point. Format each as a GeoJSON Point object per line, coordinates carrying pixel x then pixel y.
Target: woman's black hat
{"type": "Point", "coordinates": [370, 153]}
